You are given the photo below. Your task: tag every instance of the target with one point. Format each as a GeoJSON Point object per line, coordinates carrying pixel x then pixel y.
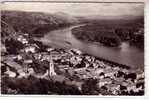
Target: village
{"type": "Point", "coordinates": [90, 75]}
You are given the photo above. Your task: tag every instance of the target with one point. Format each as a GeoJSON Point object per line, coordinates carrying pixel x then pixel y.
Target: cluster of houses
{"type": "Point", "coordinates": [116, 80]}
{"type": "Point", "coordinates": [30, 61]}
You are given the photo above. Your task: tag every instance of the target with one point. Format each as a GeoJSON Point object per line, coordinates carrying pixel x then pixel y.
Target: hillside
{"type": "Point", "coordinates": [34, 23]}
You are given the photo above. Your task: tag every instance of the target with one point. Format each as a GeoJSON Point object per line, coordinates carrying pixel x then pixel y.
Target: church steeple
{"type": "Point", "coordinates": [51, 67]}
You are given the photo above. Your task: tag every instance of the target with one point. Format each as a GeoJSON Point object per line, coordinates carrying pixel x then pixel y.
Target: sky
{"type": "Point", "coordinates": [81, 9]}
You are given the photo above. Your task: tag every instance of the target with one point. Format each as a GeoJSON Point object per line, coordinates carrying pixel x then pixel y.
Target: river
{"type": "Point", "coordinates": [125, 54]}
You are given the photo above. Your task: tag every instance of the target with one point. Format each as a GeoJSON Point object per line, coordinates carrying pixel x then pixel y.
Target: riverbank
{"type": "Point", "coordinates": [99, 58]}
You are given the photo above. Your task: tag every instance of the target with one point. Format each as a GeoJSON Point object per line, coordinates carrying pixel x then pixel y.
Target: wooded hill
{"type": "Point", "coordinates": [34, 23]}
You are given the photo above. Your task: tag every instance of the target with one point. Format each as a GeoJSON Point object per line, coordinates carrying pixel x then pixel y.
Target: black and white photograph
{"type": "Point", "coordinates": [72, 48]}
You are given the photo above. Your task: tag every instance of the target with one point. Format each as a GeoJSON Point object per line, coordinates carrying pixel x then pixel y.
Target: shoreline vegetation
{"type": "Point", "coordinates": [26, 66]}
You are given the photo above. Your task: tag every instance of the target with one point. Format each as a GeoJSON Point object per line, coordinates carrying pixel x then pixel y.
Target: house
{"type": "Point", "coordinates": [113, 88]}
{"type": "Point", "coordinates": [131, 87]}
{"type": "Point", "coordinates": [99, 70]}
{"type": "Point", "coordinates": [31, 48]}
{"type": "Point", "coordinates": [28, 61]}
{"type": "Point", "coordinates": [38, 56]}
{"type": "Point", "coordinates": [31, 71]}
{"type": "Point", "coordinates": [22, 39]}
{"type": "Point", "coordinates": [3, 48]}
{"type": "Point", "coordinates": [104, 82]}
{"type": "Point", "coordinates": [50, 49]}
{"type": "Point", "coordinates": [74, 60]}
{"type": "Point", "coordinates": [13, 64]}
{"type": "Point", "coordinates": [109, 73]}
{"type": "Point", "coordinates": [18, 57]}
{"type": "Point", "coordinates": [140, 75]}
{"type": "Point", "coordinates": [10, 73]}
{"type": "Point", "coordinates": [75, 51]}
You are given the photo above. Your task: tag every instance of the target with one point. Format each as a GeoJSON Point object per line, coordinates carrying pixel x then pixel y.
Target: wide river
{"type": "Point", "coordinates": [125, 54]}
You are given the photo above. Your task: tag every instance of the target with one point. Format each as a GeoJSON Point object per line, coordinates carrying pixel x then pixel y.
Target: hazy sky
{"type": "Point", "coordinates": [102, 9]}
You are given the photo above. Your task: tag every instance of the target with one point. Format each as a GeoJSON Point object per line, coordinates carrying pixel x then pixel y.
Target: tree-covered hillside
{"type": "Point", "coordinates": [34, 23]}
